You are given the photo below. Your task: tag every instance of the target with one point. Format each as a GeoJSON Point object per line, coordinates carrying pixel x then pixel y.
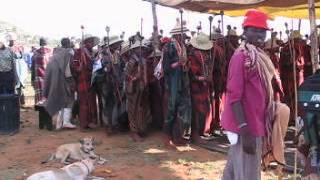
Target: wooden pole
{"type": "Point", "coordinates": [299, 25]}
{"type": "Point", "coordinates": [294, 70]}
{"type": "Point", "coordinates": [155, 24]}
{"type": "Point", "coordinates": [313, 35]}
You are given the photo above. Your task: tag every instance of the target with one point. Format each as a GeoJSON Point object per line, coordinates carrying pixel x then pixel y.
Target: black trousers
{"type": "Point", "coordinates": [7, 82]}
{"type": "Point", "coordinates": [45, 120]}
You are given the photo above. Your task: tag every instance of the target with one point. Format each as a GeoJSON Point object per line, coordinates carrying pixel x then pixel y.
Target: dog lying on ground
{"type": "Point", "coordinates": [75, 152]}
{"type": "Point", "coordinates": [76, 171]}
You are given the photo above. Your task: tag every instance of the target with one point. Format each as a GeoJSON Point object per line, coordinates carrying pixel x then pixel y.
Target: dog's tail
{"type": "Point", "coordinates": [50, 158]}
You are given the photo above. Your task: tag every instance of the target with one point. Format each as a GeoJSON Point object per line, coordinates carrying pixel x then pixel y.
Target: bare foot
{"type": "Point", "coordinates": [92, 126]}
{"type": "Point", "coordinates": [180, 141]}
{"type": "Point", "coordinates": [135, 137]}
{"type": "Point", "coordinates": [167, 141]}
{"type": "Point", "coordinates": [198, 140]}
{"type": "Point", "coordinates": [110, 131]}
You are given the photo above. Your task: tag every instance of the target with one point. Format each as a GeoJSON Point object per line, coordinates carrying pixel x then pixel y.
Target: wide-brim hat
{"type": "Point", "coordinates": [112, 40]}
{"type": "Point", "coordinates": [274, 44]}
{"type": "Point", "coordinates": [201, 42]}
{"type": "Point", "coordinates": [257, 19]}
{"type": "Point", "coordinates": [177, 28]}
{"type": "Point", "coordinates": [125, 46]}
{"type": "Point", "coordinates": [232, 33]}
{"type": "Point", "coordinates": [12, 36]}
{"type": "Point", "coordinates": [137, 44]}
{"type": "Point", "coordinates": [157, 53]}
{"type": "Point", "coordinates": [216, 33]}
{"type": "Point", "coordinates": [295, 35]}
{"type": "Point", "coordinates": [95, 39]}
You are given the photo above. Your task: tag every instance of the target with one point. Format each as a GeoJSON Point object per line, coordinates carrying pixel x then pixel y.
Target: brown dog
{"type": "Point", "coordinates": [75, 152]}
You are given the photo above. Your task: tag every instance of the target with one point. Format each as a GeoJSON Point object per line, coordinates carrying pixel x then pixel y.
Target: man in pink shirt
{"type": "Point", "coordinates": [249, 101]}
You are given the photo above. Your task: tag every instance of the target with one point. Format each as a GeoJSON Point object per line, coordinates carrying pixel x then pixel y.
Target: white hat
{"type": "Point", "coordinates": [12, 36]}
{"type": "Point", "coordinates": [201, 42]}
{"type": "Point", "coordinates": [113, 40]}
{"type": "Point", "coordinates": [137, 44]}
{"type": "Point", "coordinates": [177, 28]}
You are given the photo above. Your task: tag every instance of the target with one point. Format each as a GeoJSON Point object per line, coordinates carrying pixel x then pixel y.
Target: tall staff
{"type": "Point", "coordinates": [155, 39]}
{"type": "Point", "coordinates": [112, 58]}
{"type": "Point", "coordinates": [183, 57]}
{"type": "Point", "coordinates": [293, 58]}
{"type": "Point", "coordinates": [272, 39]}
{"type": "Point", "coordinates": [83, 61]}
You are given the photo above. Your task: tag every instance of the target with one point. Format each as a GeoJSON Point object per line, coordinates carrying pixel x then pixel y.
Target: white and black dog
{"type": "Point", "coordinates": [76, 171]}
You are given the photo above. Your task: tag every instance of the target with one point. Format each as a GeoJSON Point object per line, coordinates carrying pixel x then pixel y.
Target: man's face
{"type": "Point", "coordinates": [255, 36]}
{"type": "Point", "coordinates": [12, 42]}
{"type": "Point", "coordinates": [89, 43]}
{"type": "Point", "coordinates": [115, 46]}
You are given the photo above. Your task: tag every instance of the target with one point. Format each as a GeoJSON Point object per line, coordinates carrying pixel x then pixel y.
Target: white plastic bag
{"type": "Point", "coordinates": [232, 137]}
{"type": "Point", "coordinates": [158, 70]}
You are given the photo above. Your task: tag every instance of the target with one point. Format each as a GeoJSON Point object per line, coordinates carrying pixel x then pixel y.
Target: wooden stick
{"type": "Point", "coordinates": [155, 25]}
{"type": "Point", "coordinates": [293, 58]}
{"type": "Point", "coordinates": [313, 36]}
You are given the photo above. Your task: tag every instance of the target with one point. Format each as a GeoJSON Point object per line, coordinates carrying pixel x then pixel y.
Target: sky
{"type": "Point", "coordinates": [63, 18]}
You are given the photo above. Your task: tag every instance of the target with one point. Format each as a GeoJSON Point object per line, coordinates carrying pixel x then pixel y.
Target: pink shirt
{"type": "Point", "coordinates": [244, 85]}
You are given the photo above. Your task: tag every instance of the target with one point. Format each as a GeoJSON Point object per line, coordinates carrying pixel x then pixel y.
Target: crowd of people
{"type": "Point", "coordinates": [191, 87]}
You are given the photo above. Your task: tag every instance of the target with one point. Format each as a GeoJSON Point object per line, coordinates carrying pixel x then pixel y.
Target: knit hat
{"type": "Point", "coordinates": [255, 18]}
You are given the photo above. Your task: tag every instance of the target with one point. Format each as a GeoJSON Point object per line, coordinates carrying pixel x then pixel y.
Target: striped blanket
{"type": "Point", "coordinates": [40, 60]}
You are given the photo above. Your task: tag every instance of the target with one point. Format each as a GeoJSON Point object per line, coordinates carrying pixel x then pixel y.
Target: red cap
{"type": "Point", "coordinates": [254, 18]}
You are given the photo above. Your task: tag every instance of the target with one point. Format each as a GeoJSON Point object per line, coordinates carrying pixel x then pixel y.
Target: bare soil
{"type": "Point", "coordinates": [22, 153]}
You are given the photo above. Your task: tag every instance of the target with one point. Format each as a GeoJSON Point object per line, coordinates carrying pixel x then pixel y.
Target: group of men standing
{"type": "Point", "coordinates": [182, 87]}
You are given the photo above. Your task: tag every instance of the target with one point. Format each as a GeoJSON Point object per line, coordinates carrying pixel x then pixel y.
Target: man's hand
{"type": "Point", "coordinates": [248, 141]}
{"type": "Point", "coordinates": [175, 65]}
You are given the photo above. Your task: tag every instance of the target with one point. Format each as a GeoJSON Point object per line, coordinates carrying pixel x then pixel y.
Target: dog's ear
{"type": "Point", "coordinates": [92, 139]}
{"type": "Point", "coordinates": [81, 141]}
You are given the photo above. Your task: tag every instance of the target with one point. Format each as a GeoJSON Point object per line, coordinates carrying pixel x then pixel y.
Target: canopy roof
{"type": "Point", "coordinates": [298, 13]}
{"type": "Point", "coordinates": [286, 8]}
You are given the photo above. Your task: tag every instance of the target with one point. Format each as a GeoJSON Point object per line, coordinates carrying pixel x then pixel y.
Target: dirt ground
{"type": "Point", "coordinates": [22, 153]}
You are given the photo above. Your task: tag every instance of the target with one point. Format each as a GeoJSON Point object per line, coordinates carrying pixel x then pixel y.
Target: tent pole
{"type": "Point", "coordinates": [299, 25]}
{"type": "Point", "coordinates": [313, 35]}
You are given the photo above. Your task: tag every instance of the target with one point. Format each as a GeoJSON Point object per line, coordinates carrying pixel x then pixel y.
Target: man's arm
{"type": "Point", "coordinates": [235, 89]}
{"type": "Point", "coordinates": [248, 141]}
